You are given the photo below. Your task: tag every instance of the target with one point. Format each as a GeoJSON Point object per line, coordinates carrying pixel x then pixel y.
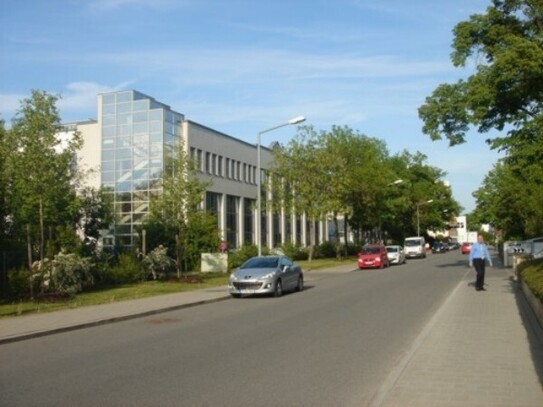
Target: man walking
{"type": "Point", "coordinates": [477, 256]}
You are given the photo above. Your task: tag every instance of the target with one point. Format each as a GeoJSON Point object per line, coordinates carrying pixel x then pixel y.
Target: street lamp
{"type": "Point", "coordinates": [398, 181]}
{"type": "Point", "coordinates": [295, 120]}
{"type": "Point", "coordinates": [419, 204]}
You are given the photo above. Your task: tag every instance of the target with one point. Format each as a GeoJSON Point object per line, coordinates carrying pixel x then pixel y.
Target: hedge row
{"type": "Point", "coordinates": [531, 272]}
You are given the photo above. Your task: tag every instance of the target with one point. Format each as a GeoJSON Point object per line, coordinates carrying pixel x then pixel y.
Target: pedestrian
{"type": "Point", "coordinates": [477, 258]}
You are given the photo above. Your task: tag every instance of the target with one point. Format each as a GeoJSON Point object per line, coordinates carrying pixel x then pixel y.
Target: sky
{"type": "Point", "coordinates": [243, 66]}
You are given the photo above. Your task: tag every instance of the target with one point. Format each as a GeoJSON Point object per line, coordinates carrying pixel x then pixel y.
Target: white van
{"type": "Point", "coordinates": [414, 247]}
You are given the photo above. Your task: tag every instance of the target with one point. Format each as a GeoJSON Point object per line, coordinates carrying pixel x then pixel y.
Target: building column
{"type": "Point", "coordinates": [241, 221]}
{"type": "Point", "coordinates": [222, 216]}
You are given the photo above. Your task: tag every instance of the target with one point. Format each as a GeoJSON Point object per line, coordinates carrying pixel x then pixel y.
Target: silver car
{"type": "Point", "coordinates": [395, 254]}
{"type": "Point", "coordinates": [266, 275]}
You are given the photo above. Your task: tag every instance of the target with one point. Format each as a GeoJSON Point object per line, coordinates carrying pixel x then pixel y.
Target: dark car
{"type": "Point", "coordinates": [439, 247]}
{"type": "Point", "coordinates": [373, 256]}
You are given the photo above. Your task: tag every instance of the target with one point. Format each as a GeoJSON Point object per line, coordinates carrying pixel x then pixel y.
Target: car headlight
{"type": "Point", "coordinates": [267, 276]}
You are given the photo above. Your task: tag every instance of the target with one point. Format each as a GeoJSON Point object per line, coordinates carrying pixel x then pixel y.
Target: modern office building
{"type": "Point", "coordinates": [125, 150]}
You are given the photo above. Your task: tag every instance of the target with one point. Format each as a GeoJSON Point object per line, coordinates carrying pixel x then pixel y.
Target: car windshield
{"type": "Point", "coordinates": [412, 242]}
{"type": "Point", "coordinates": [260, 263]}
{"type": "Point", "coordinates": [370, 250]}
{"type": "Point", "coordinates": [392, 249]}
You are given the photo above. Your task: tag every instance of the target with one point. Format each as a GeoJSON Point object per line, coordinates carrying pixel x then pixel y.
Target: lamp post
{"type": "Point", "coordinates": [295, 120]}
{"type": "Point", "coordinates": [396, 182]}
{"type": "Point", "coordinates": [419, 204]}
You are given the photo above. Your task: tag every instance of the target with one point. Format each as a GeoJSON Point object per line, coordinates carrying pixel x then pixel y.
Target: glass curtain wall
{"type": "Point", "coordinates": [137, 132]}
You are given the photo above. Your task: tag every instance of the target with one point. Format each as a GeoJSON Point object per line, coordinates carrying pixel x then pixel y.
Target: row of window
{"type": "Point", "coordinates": [214, 164]}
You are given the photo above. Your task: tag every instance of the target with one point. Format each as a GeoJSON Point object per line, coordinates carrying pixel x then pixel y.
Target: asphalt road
{"type": "Point", "coordinates": [333, 344]}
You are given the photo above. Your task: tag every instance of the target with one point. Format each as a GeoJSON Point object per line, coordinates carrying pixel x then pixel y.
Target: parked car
{"type": "Point", "coordinates": [415, 246]}
{"type": "Point", "coordinates": [266, 275]}
{"type": "Point", "coordinates": [373, 256]}
{"type": "Point", "coordinates": [439, 247]}
{"type": "Point", "coordinates": [465, 248]}
{"type": "Point", "coordinates": [396, 254]}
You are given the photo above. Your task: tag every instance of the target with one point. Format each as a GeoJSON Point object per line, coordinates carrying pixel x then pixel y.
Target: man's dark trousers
{"type": "Point", "coordinates": [479, 265]}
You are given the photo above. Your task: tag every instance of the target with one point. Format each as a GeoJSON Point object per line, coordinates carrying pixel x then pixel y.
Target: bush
{"type": "Point", "coordinates": [531, 271]}
{"type": "Point", "coordinates": [19, 283]}
{"type": "Point", "coordinates": [325, 250]}
{"type": "Point", "coordinates": [157, 264]}
{"type": "Point", "coordinates": [238, 257]}
{"type": "Point", "coordinates": [293, 251]}
{"type": "Point", "coordinates": [67, 273]}
{"type": "Point", "coordinates": [127, 269]}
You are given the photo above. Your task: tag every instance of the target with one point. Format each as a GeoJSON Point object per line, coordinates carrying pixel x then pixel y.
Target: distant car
{"type": "Point", "coordinates": [395, 254]}
{"type": "Point", "coordinates": [373, 256]}
{"type": "Point", "coordinates": [465, 248]}
{"type": "Point", "coordinates": [439, 247]}
{"type": "Point", "coordinates": [266, 275]}
{"type": "Point", "coordinates": [454, 245]}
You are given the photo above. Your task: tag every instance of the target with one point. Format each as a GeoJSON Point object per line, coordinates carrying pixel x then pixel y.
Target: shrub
{"type": "Point", "coordinates": [67, 273]}
{"type": "Point", "coordinates": [19, 283]}
{"type": "Point", "coordinates": [157, 264]}
{"type": "Point", "coordinates": [236, 258]}
{"type": "Point", "coordinates": [325, 250]}
{"type": "Point", "coordinates": [293, 251]}
{"type": "Point", "coordinates": [531, 271]}
{"type": "Point", "coordinates": [127, 269]}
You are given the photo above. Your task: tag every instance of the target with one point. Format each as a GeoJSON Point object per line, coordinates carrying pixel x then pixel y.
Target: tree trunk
{"type": "Point", "coordinates": [178, 258]}
{"type": "Point", "coordinates": [29, 248]}
{"type": "Point", "coordinates": [345, 231]}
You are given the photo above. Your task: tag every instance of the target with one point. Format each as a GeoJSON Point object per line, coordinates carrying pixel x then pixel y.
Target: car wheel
{"type": "Point", "coordinates": [300, 286]}
{"type": "Point", "coordinates": [278, 292]}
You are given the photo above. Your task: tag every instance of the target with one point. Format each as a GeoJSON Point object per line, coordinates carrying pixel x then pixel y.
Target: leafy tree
{"type": "Point", "coordinates": [506, 89]}
{"type": "Point", "coordinates": [178, 211]}
{"type": "Point", "coordinates": [42, 172]}
{"type": "Point", "coordinates": [505, 94]}
{"type": "Point", "coordinates": [294, 190]}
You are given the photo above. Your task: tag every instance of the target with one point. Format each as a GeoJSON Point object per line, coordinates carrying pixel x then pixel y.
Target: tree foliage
{"type": "Point", "coordinates": [346, 174]}
{"type": "Point", "coordinates": [506, 90]}
{"type": "Point", "coordinates": [504, 94]}
{"type": "Point", "coordinates": [177, 219]}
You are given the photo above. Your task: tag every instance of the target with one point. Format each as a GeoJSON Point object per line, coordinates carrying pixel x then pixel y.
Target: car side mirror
{"type": "Point", "coordinates": [285, 268]}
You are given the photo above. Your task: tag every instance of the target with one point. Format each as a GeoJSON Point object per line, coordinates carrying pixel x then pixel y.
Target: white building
{"type": "Point", "coordinates": [125, 148]}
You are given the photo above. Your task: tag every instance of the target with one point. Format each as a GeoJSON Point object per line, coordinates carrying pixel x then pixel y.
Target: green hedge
{"type": "Point", "coordinates": [531, 272]}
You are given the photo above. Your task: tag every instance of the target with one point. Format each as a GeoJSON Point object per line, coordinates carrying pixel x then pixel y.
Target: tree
{"type": "Point", "coordinates": [42, 171]}
{"type": "Point", "coordinates": [505, 94]}
{"type": "Point", "coordinates": [178, 211]}
{"type": "Point", "coordinates": [506, 89]}
{"type": "Point", "coordinates": [294, 190]}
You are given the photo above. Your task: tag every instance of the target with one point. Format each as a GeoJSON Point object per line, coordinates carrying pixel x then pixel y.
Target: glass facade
{"type": "Point", "coordinates": [137, 132]}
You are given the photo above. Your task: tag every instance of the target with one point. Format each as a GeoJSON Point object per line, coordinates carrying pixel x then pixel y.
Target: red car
{"type": "Point", "coordinates": [373, 256]}
{"type": "Point", "coordinates": [465, 248]}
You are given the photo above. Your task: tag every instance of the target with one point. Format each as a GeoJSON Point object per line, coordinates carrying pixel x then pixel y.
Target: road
{"type": "Point", "coordinates": [334, 344]}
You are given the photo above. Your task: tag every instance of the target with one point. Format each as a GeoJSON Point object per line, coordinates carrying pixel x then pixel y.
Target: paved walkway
{"type": "Point", "coordinates": [480, 348]}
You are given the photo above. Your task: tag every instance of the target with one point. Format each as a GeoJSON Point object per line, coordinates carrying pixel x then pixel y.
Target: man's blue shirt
{"type": "Point", "coordinates": [479, 251]}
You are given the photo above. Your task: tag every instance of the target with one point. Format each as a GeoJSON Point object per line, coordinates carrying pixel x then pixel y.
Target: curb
{"type": "Point", "coordinates": [105, 321]}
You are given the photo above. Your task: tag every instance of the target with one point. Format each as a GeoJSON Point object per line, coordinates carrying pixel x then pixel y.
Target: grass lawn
{"type": "Point", "coordinates": [141, 290]}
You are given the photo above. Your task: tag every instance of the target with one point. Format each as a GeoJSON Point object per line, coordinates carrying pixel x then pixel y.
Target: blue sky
{"type": "Point", "coordinates": [242, 66]}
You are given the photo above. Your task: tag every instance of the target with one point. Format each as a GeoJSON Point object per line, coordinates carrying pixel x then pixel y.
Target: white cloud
{"type": "Point", "coordinates": [9, 104]}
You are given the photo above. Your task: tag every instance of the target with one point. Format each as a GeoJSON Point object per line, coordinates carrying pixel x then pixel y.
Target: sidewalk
{"type": "Point", "coordinates": [480, 348]}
